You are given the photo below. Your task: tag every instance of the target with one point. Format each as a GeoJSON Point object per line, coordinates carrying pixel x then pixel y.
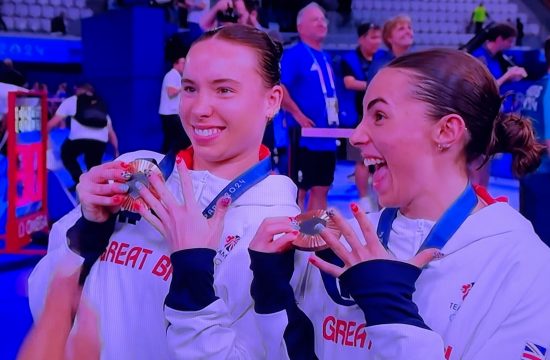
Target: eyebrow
{"type": "Point", "coordinates": [217, 81]}
{"type": "Point", "coordinates": [373, 102]}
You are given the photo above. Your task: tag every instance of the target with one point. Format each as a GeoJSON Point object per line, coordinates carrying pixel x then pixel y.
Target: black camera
{"type": "Point", "coordinates": [229, 15]}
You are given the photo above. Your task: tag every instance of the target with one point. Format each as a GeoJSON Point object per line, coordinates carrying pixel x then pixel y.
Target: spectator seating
{"type": "Point", "coordinates": [35, 15]}
{"type": "Point", "coordinates": [440, 23]}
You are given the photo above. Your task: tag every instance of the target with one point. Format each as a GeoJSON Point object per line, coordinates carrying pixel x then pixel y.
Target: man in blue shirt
{"type": "Point", "coordinates": [310, 98]}
{"type": "Point", "coordinates": [535, 188]}
{"type": "Point", "coordinates": [500, 38]}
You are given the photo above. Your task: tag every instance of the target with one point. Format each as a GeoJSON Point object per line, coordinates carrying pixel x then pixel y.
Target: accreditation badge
{"type": "Point", "coordinates": [332, 111]}
{"type": "Point", "coordinates": [140, 170]}
{"type": "Point", "coordinates": [309, 238]}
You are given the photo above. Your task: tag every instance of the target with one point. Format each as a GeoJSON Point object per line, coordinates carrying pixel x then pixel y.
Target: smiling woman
{"type": "Point", "coordinates": [174, 281]}
{"type": "Point", "coordinates": [442, 271]}
{"type": "Point", "coordinates": [220, 109]}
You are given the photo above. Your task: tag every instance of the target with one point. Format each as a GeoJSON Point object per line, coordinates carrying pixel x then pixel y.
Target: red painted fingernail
{"type": "Point", "coordinates": [226, 201]}
{"type": "Point", "coordinates": [354, 207]}
{"type": "Point", "coordinates": [295, 232]}
{"type": "Point", "coordinates": [311, 260]}
{"type": "Point", "coordinates": [124, 165]}
{"type": "Point", "coordinates": [179, 159]}
{"type": "Point", "coordinates": [117, 199]}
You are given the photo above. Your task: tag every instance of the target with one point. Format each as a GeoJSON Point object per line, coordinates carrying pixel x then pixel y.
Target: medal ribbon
{"type": "Point", "coordinates": [321, 76]}
{"type": "Point", "coordinates": [235, 188]}
{"type": "Point", "coordinates": [443, 229]}
{"type": "Point", "coordinates": [241, 184]}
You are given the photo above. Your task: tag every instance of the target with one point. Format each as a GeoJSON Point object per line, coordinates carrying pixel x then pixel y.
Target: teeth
{"type": "Point", "coordinates": [373, 161]}
{"type": "Point", "coordinates": [206, 132]}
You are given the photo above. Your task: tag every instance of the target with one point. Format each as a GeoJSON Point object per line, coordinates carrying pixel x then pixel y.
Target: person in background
{"type": "Point", "coordinates": [181, 7]}
{"type": "Point", "coordinates": [10, 75]}
{"type": "Point", "coordinates": [58, 24]}
{"type": "Point", "coordinates": [196, 9]}
{"type": "Point", "coordinates": [479, 16]}
{"type": "Point", "coordinates": [61, 92]}
{"type": "Point", "coordinates": [500, 37]}
{"type": "Point", "coordinates": [310, 98]}
{"type": "Point", "coordinates": [244, 12]}
{"type": "Point", "coordinates": [398, 36]}
{"type": "Point", "coordinates": [358, 68]}
{"type": "Point", "coordinates": [520, 32]}
{"type": "Point", "coordinates": [175, 137]}
{"type": "Point", "coordinates": [534, 189]}
{"type": "Point", "coordinates": [89, 135]}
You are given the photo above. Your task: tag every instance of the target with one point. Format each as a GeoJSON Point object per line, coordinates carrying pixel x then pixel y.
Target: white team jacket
{"type": "Point", "coordinates": [129, 283]}
{"type": "Point", "coordinates": [488, 298]}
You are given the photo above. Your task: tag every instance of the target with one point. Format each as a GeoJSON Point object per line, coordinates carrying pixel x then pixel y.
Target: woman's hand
{"type": "Point", "coordinates": [51, 336]}
{"type": "Point", "coordinates": [263, 240]}
{"type": "Point", "coordinates": [98, 197]}
{"type": "Point", "coordinates": [183, 225]}
{"type": "Point", "coordinates": [372, 250]}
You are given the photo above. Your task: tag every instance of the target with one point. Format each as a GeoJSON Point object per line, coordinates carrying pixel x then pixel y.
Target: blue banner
{"type": "Point", "coordinates": [38, 49]}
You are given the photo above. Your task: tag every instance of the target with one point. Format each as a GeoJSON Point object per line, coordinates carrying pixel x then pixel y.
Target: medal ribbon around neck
{"type": "Point", "coordinates": [443, 229]}
{"type": "Point", "coordinates": [236, 187]}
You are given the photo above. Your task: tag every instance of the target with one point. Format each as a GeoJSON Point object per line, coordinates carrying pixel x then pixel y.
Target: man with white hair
{"type": "Point", "coordinates": [310, 98]}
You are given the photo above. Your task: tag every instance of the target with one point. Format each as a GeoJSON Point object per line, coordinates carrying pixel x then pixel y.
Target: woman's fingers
{"type": "Point", "coordinates": [268, 229]}
{"type": "Point", "coordinates": [152, 202]}
{"type": "Point", "coordinates": [100, 200]}
{"type": "Point", "coordinates": [327, 267]}
{"type": "Point", "coordinates": [165, 195]}
{"type": "Point", "coordinates": [424, 257]}
{"type": "Point", "coordinates": [347, 231]}
{"type": "Point", "coordinates": [283, 243]}
{"type": "Point", "coordinates": [107, 189]}
{"type": "Point", "coordinates": [373, 244]}
{"type": "Point", "coordinates": [216, 222]}
{"type": "Point", "coordinates": [116, 170]}
{"type": "Point", "coordinates": [277, 225]}
{"type": "Point", "coordinates": [152, 219]}
{"type": "Point", "coordinates": [334, 243]}
{"type": "Point", "coordinates": [186, 185]}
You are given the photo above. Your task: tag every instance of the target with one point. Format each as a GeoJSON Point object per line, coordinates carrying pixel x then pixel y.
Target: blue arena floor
{"type": "Point", "coordinates": [15, 318]}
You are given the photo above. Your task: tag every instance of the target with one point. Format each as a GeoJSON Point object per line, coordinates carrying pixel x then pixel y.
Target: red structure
{"type": "Point", "coordinates": [27, 176]}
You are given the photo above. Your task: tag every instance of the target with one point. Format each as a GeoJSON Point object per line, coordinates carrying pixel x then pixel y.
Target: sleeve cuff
{"type": "Point", "coordinates": [89, 240]}
{"type": "Point", "coordinates": [192, 285]}
{"type": "Point", "coordinates": [383, 289]}
{"type": "Point", "coordinates": [270, 287]}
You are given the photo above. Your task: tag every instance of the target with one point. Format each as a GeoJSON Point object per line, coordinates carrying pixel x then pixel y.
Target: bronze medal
{"type": "Point", "coordinates": [309, 238]}
{"type": "Point", "coordinates": [140, 170]}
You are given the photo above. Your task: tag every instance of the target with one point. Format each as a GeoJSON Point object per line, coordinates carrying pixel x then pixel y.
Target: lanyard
{"type": "Point", "coordinates": [236, 187]}
{"type": "Point", "coordinates": [443, 229]}
{"type": "Point", "coordinates": [241, 184]}
{"type": "Point", "coordinates": [320, 72]}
